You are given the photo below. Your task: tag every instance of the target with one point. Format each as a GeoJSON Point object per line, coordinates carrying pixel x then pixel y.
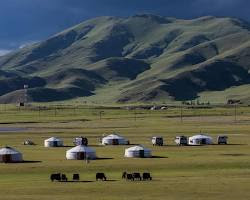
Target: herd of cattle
{"type": "Point", "coordinates": [136, 176]}
{"type": "Point", "coordinates": [101, 176]}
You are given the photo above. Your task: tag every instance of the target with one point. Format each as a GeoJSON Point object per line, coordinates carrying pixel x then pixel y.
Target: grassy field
{"type": "Point", "coordinates": [204, 172]}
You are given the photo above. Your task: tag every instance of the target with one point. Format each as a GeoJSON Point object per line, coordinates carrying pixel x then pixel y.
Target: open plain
{"type": "Point", "coordinates": [179, 172]}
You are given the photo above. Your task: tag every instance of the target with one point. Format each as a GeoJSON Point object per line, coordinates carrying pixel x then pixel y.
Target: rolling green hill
{"type": "Point", "coordinates": [136, 59]}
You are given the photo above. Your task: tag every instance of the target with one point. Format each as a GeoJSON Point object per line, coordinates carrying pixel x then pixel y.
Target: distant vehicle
{"type": "Point", "coordinates": [20, 104]}
{"type": "Point", "coordinates": [157, 141]}
{"type": "Point", "coordinates": [153, 108]}
{"type": "Point", "coordinates": [80, 141]}
{"type": "Point", "coordinates": [28, 142]}
{"type": "Point", "coordinates": [181, 140]}
{"type": "Point", "coordinates": [222, 139]}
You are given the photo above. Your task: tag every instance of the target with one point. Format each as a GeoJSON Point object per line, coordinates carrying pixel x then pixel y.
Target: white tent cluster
{"type": "Point", "coordinates": [114, 139]}
{"type": "Point", "coordinates": [53, 142]}
{"type": "Point", "coordinates": [200, 139]}
{"type": "Point", "coordinates": [137, 152]}
{"type": "Point", "coordinates": [81, 152]}
{"type": "Point", "coordinates": [9, 154]}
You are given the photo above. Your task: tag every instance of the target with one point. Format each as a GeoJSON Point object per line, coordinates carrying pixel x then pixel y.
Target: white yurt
{"type": "Point", "coordinates": [81, 152]}
{"type": "Point", "coordinates": [53, 142]}
{"type": "Point", "coordinates": [137, 152]}
{"type": "Point", "coordinates": [8, 155]}
{"type": "Point", "coordinates": [114, 139]}
{"type": "Point", "coordinates": [200, 139]}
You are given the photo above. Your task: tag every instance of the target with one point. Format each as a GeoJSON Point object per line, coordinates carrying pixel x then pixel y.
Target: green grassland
{"type": "Point", "coordinates": [203, 172]}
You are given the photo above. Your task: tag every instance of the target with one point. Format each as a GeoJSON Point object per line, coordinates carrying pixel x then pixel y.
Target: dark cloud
{"type": "Point", "coordinates": [29, 20]}
{"type": "Point", "coordinates": [4, 51]}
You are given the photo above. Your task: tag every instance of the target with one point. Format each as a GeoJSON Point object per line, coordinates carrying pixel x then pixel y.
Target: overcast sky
{"type": "Point", "coordinates": [24, 21]}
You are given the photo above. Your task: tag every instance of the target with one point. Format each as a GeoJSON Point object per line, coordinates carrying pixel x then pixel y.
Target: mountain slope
{"type": "Point", "coordinates": [140, 58]}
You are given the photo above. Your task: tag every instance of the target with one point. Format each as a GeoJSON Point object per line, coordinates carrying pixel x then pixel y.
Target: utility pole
{"type": "Point", "coordinates": [235, 112]}
{"type": "Point", "coordinates": [181, 115]}
{"type": "Point", "coordinates": [74, 110]}
{"type": "Point", "coordinates": [55, 111]}
{"type": "Point", "coordinates": [100, 114]}
{"type": "Point", "coordinates": [25, 87]}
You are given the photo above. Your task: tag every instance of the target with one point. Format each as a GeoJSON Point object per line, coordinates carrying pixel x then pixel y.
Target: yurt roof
{"type": "Point", "coordinates": [81, 148]}
{"type": "Point", "coordinates": [53, 139]}
{"type": "Point", "coordinates": [8, 150]}
{"type": "Point", "coordinates": [113, 136]}
{"type": "Point", "coordinates": [138, 148]}
{"type": "Point", "coordinates": [201, 136]}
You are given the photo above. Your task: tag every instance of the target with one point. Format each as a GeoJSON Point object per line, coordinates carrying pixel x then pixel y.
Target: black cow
{"type": "Point", "coordinates": [146, 176]}
{"type": "Point", "coordinates": [130, 177]}
{"type": "Point", "coordinates": [127, 176]}
{"type": "Point", "coordinates": [76, 177]}
{"type": "Point", "coordinates": [137, 176]}
{"type": "Point", "coordinates": [64, 177]}
{"type": "Point", "coordinates": [56, 177]}
{"type": "Point", "coordinates": [124, 175]}
{"type": "Point", "coordinates": [100, 176]}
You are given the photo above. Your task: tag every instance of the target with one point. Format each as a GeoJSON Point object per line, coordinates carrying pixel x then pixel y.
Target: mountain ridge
{"type": "Point", "coordinates": [139, 58]}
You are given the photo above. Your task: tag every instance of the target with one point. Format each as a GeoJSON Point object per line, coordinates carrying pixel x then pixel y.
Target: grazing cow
{"type": "Point", "coordinates": [64, 177]}
{"type": "Point", "coordinates": [136, 176]}
{"type": "Point", "coordinates": [127, 176]}
{"type": "Point", "coordinates": [130, 177]}
{"type": "Point", "coordinates": [76, 177]}
{"type": "Point", "coordinates": [100, 176]}
{"type": "Point", "coordinates": [146, 176]}
{"type": "Point", "coordinates": [56, 177]}
{"type": "Point", "coordinates": [124, 175]}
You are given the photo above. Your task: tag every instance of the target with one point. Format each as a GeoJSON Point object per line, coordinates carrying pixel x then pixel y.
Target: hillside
{"type": "Point", "coordinates": [136, 59]}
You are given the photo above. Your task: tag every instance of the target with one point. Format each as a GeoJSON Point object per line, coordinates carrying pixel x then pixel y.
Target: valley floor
{"type": "Point", "coordinates": [201, 172]}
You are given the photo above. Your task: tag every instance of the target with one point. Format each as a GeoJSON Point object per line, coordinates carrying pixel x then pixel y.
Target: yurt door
{"type": "Point", "coordinates": [55, 144]}
{"type": "Point", "coordinates": [115, 142]}
{"type": "Point", "coordinates": [203, 141]}
{"type": "Point", "coordinates": [81, 155]}
{"type": "Point", "coordinates": [6, 158]}
{"type": "Point", "coordinates": [141, 153]}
